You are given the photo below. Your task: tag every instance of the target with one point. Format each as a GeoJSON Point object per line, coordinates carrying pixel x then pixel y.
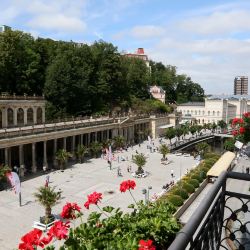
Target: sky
{"type": "Point", "coordinates": [208, 40]}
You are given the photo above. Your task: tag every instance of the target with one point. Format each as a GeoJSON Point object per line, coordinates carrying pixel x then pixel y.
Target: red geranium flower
{"type": "Point", "coordinates": [242, 130]}
{"type": "Point", "coordinates": [59, 230]}
{"type": "Point", "coordinates": [69, 211]}
{"type": "Point", "coordinates": [146, 245]}
{"type": "Point", "coordinates": [45, 241]}
{"type": "Point", "coordinates": [93, 198]}
{"type": "Point", "coordinates": [240, 120]}
{"type": "Point", "coordinates": [246, 114]}
{"type": "Point", "coordinates": [127, 185]}
{"type": "Point", "coordinates": [234, 121]}
{"type": "Point", "coordinates": [235, 132]}
{"type": "Point", "coordinates": [30, 240]}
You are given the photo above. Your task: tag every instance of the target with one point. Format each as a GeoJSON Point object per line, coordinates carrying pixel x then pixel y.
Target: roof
{"type": "Point", "coordinates": [161, 89]}
{"type": "Point", "coordinates": [229, 97]}
{"type": "Point", "coordinates": [193, 104]}
{"type": "Point", "coordinates": [222, 164]}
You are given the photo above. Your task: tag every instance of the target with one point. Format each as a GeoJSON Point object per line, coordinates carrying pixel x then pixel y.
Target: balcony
{"type": "Point", "coordinates": [222, 221]}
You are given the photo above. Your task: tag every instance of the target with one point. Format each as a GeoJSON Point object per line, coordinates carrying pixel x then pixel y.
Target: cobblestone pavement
{"type": "Point", "coordinates": [78, 181]}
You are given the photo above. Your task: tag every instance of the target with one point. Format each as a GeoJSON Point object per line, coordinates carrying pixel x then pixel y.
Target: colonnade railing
{"type": "Point", "coordinates": [63, 125]}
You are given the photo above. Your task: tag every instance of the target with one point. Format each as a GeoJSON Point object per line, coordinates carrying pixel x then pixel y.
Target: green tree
{"type": "Point", "coordinates": [164, 150]}
{"type": "Point", "coordinates": [202, 148]}
{"type": "Point", "coordinates": [62, 157]}
{"type": "Point", "coordinates": [229, 144]}
{"type": "Point", "coordinates": [170, 134]}
{"type": "Point", "coordinates": [179, 132]}
{"type": "Point", "coordinates": [193, 129]}
{"type": "Point", "coordinates": [119, 141]}
{"type": "Point", "coordinates": [48, 197]}
{"type": "Point", "coordinates": [222, 124]}
{"type": "Point", "coordinates": [95, 148]}
{"type": "Point", "coordinates": [81, 152]}
{"type": "Point", "coordinates": [214, 126]}
{"type": "Point", "coordinates": [140, 161]}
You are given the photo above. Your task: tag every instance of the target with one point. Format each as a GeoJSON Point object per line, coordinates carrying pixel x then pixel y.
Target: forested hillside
{"type": "Point", "coordinates": [86, 79]}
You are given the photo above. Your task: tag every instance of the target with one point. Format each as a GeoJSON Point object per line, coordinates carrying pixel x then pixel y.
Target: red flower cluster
{"type": "Point", "coordinates": [242, 130]}
{"type": "Point", "coordinates": [93, 198]}
{"type": "Point", "coordinates": [59, 230]}
{"type": "Point", "coordinates": [127, 185]}
{"type": "Point", "coordinates": [237, 121]}
{"type": "Point", "coordinates": [235, 132]}
{"type": "Point", "coordinates": [246, 115]}
{"type": "Point", "coordinates": [69, 210]}
{"type": "Point", "coordinates": [146, 245]}
{"type": "Point", "coordinates": [31, 240]}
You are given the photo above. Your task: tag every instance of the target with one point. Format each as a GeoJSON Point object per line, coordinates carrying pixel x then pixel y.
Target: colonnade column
{"type": "Point", "coordinates": [95, 136]}
{"type": "Point", "coordinates": [102, 135]}
{"type": "Point", "coordinates": [25, 116]}
{"type": "Point", "coordinates": [34, 168]}
{"type": "Point", "coordinates": [73, 147]}
{"type": "Point", "coordinates": [34, 115]}
{"type": "Point", "coordinates": [15, 116]}
{"type": "Point", "coordinates": [88, 139]}
{"type": "Point", "coordinates": [54, 151]}
{"type": "Point", "coordinates": [21, 162]}
{"type": "Point", "coordinates": [64, 143]}
{"type": "Point", "coordinates": [81, 139]}
{"type": "Point", "coordinates": [6, 156]}
{"type": "Point", "coordinates": [45, 163]}
{"type": "Point", "coordinates": [4, 118]}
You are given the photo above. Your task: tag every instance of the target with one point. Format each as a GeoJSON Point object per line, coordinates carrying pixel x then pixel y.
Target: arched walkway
{"type": "Point", "coordinates": [30, 119]}
{"type": "Point", "coordinates": [39, 114]}
{"type": "Point", "coordinates": [10, 115]}
{"type": "Point", "coordinates": [20, 116]}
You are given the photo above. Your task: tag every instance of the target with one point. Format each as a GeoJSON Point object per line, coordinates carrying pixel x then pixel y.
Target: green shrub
{"type": "Point", "coordinates": [176, 200]}
{"type": "Point", "coordinates": [203, 174]}
{"type": "Point", "coordinates": [210, 162]}
{"type": "Point", "coordinates": [188, 187]}
{"type": "Point", "coordinates": [211, 155]}
{"type": "Point", "coordinates": [181, 192]}
{"type": "Point", "coordinates": [194, 183]}
{"type": "Point", "coordinates": [197, 177]}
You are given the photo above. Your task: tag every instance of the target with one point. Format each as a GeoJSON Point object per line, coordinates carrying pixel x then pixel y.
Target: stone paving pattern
{"type": "Point", "coordinates": [78, 181]}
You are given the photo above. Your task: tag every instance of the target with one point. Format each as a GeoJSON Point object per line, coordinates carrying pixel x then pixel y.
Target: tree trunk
{"type": "Point", "coordinates": [47, 214]}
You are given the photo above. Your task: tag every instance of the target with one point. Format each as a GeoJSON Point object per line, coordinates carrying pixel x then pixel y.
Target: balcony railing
{"type": "Point", "coordinates": [222, 221]}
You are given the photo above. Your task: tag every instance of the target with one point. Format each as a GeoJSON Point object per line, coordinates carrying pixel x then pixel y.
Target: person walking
{"type": "Point", "coordinates": [172, 173]}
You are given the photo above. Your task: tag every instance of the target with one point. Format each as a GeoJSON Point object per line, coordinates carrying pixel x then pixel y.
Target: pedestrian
{"type": "Point", "coordinates": [128, 169]}
{"type": "Point", "coordinates": [47, 181]}
{"type": "Point", "coordinates": [110, 166]}
{"type": "Point", "coordinates": [172, 173]}
{"type": "Point", "coordinates": [139, 145]}
{"type": "Point", "coordinates": [247, 169]}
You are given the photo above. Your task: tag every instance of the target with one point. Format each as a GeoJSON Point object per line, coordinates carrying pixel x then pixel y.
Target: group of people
{"type": "Point", "coordinates": [168, 185]}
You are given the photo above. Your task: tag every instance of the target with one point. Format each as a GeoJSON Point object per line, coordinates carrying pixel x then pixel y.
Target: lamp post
{"type": "Point", "coordinates": [149, 188]}
{"type": "Point", "coordinates": [144, 191]}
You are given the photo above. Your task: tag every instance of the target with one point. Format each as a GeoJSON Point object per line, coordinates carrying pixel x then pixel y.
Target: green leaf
{"type": "Point", "coordinates": [108, 209]}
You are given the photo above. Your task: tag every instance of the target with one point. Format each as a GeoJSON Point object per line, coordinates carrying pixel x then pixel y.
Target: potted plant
{"type": "Point", "coordinates": [140, 161]}
{"type": "Point", "coordinates": [62, 157]}
{"type": "Point", "coordinates": [81, 152]}
{"type": "Point", "coordinates": [164, 150]}
{"type": "Point", "coordinates": [47, 197]}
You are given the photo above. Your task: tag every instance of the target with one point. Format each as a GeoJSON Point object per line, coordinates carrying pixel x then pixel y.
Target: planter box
{"type": "Point", "coordinates": [43, 227]}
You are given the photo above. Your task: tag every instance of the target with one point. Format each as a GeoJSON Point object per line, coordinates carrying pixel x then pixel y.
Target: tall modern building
{"type": "Point", "coordinates": [241, 85]}
{"type": "Point", "coordinates": [4, 28]}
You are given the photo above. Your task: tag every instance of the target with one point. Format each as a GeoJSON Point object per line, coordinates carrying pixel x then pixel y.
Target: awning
{"type": "Point", "coordinates": [167, 126]}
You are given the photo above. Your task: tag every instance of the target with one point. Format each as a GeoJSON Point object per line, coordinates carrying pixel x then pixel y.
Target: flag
{"type": "Point", "coordinates": [14, 181]}
{"type": "Point", "coordinates": [149, 140]}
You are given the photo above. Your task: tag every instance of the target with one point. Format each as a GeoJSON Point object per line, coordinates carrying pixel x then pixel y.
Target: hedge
{"type": "Point", "coordinates": [197, 177]}
{"type": "Point", "coordinates": [176, 200]}
{"type": "Point", "coordinates": [188, 187]}
{"type": "Point", "coordinates": [181, 192]}
{"type": "Point", "coordinates": [194, 183]}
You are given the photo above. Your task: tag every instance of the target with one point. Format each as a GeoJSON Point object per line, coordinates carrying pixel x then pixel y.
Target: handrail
{"type": "Point", "coordinates": [195, 223]}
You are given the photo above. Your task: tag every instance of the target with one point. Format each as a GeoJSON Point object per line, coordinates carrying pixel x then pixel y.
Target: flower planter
{"type": "Point", "coordinates": [43, 227]}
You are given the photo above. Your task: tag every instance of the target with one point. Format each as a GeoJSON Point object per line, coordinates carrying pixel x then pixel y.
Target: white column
{"type": "Point", "coordinates": [34, 115]}
{"type": "Point", "coordinates": [4, 118]}
{"type": "Point", "coordinates": [88, 139]}
{"type": "Point", "coordinates": [45, 163]}
{"type": "Point", "coordinates": [73, 147]}
{"type": "Point", "coordinates": [34, 168]}
{"type": "Point", "coordinates": [43, 115]}
{"type": "Point", "coordinates": [25, 116]}
{"type": "Point", "coordinates": [15, 116]}
{"type": "Point", "coordinates": [54, 152]}
{"type": "Point", "coordinates": [6, 156]}
{"type": "Point", "coordinates": [21, 162]}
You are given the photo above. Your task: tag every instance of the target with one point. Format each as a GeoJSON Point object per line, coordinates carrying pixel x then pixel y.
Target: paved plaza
{"type": "Point", "coordinates": [78, 181]}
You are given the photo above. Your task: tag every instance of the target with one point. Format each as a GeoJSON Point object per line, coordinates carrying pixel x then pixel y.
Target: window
{"type": "Point", "coordinates": [208, 113]}
{"type": "Point", "coordinates": [10, 115]}
{"type": "Point", "coordinates": [218, 113]}
{"type": "Point", "coordinates": [39, 114]}
{"type": "Point", "coordinates": [203, 112]}
{"type": "Point", "coordinates": [195, 112]}
{"type": "Point", "coordinates": [213, 113]}
{"type": "Point", "coordinates": [30, 116]}
{"type": "Point", "coordinates": [199, 112]}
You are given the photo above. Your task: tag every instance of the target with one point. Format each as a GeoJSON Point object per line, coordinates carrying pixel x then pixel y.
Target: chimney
{"type": "Point", "coordinates": [140, 51]}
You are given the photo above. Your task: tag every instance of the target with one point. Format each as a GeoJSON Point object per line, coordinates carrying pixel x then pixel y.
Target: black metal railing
{"type": "Point", "coordinates": [222, 221]}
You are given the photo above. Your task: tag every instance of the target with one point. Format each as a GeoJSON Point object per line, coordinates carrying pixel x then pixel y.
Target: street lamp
{"type": "Point", "coordinates": [144, 191]}
{"type": "Point", "coordinates": [149, 188]}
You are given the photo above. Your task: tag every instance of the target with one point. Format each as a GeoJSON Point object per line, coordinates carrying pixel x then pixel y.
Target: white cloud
{"type": "Point", "coordinates": [218, 22]}
{"type": "Point", "coordinates": [147, 31]}
{"type": "Point", "coordinates": [58, 22]}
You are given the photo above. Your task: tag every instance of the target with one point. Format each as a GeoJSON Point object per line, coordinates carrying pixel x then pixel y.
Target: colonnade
{"type": "Point", "coordinates": [37, 155]}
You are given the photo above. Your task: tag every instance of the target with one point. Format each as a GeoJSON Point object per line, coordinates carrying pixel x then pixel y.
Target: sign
{"type": "Point", "coordinates": [238, 144]}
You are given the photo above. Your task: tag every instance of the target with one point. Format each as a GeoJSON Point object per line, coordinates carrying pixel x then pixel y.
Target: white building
{"type": "Point", "coordinates": [4, 28]}
{"type": "Point", "coordinates": [215, 108]}
{"type": "Point", "coordinates": [158, 93]}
